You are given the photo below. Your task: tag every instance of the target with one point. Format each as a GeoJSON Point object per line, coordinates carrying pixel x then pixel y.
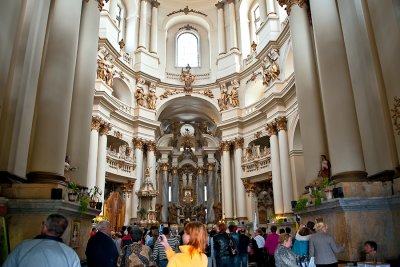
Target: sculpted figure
{"type": "Point", "coordinates": [187, 77]}
{"type": "Point", "coordinates": [223, 101]}
{"type": "Point", "coordinates": [100, 70]}
{"type": "Point", "coordinates": [151, 99]}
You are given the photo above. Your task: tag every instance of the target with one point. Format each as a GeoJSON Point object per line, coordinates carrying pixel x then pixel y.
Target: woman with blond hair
{"type": "Point", "coordinates": [284, 257]}
{"type": "Point", "coordinates": [192, 252]}
{"type": "Point", "coordinates": [323, 247]}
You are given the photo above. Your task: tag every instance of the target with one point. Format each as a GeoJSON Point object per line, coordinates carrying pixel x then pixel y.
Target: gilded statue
{"type": "Point", "coordinates": [109, 75]}
{"type": "Point", "coordinates": [325, 171]}
{"type": "Point", "coordinates": [151, 99]}
{"type": "Point", "coordinates": [274, 70]}
{"type": "Point", "coordinates": [140, 96]}
{"type": "Point", "coordinates": [172, 214]}
{"type": "Point", "coordinates": [208, 93]}
{"type": "Point", "coordinates": [223, 101]}
{"type": "Point", "coordinates": [187, 77]}
{"type": "Point", "coordinates": [101, 69]}
{"type": "Point", "coordinates": [158, 209]}
{"type": "Point", "coordinates": [218, 211]}
{"type": "Point", "coordinates": [234, 95]}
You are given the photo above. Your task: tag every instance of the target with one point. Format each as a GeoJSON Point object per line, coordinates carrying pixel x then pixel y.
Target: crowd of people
{"type": "Point", "coordinates": [222, 246]}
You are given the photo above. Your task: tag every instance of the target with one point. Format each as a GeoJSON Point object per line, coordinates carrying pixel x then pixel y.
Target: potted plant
{"type": "Point", "coordinates": [142, 213]}
{"type": "Point", "coordinates": [73, 191]}
{"type": "Point", "coordinates": [301, 204]}
{"type": "Point", "coordinates": [94, 194]}
{"type": "Point", "coordinates": [84, 202]}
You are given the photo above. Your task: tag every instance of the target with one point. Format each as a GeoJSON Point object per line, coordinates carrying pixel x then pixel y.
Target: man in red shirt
{"type": "Point", "coordinates": [271, 244]}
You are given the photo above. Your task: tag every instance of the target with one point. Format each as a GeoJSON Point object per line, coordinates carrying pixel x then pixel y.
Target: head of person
{"type": "Point", "coordinates": [221, 227]}
{"type": "Point", "coordinates": [136, 234]}
{"type": "Point", "coordinates": [281, 231]}
{"type": "Point", "coordinates": [264, 230]}
{"type": "Point", "coordinates": [288, 230]}
{"type": "Point", "coordinates": [273, 228]}
{"type": "Point", "coordinates": [232, 228]}
{"type": "Point", "coordinates": [242, 231]}
{"type": "Point", "coordinates": [370, 247]}
{"type": "Point", "coordinates": [258, 232]}
{"type": "Point", "coordinates": [212, 233]}
{"type": "Point", "coordinates": [285, 240]}
{"type": "Point", "coordinates": [304, 231]}
{"type": "Point", "coordinates": [54, 225]}
{"type": "Point", "coordinates": [321, 227]}
{"type": "Point", "coordinates": [195, 235]}
{"type": "Point", "coordinates": [104, 227]}
{"type": "Point", "coordinates": [310, 225]}
{"type": "Point", "coordinates": [166, 231]}
{"type": "Point", "coordinates": [93, 229]}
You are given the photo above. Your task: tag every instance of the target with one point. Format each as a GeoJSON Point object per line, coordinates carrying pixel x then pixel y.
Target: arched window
{"type": "Point", "coordinates": [257, 20]}
{"type": "Point", "coordinates": [187, 50]}
{"type": "Point", "coordinates": [120, 20]}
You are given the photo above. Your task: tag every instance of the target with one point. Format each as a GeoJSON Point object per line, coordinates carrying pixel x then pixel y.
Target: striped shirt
{"type": "Point", "coordinates": [159, 250]}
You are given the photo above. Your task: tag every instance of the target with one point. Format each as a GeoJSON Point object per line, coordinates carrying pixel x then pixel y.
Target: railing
{"type": "Point", "coordinates": [259, 162]}
{"type": "Point", "coordinates": [120, 164]}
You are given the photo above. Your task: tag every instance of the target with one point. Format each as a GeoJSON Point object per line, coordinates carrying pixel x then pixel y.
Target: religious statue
{"type": "Point", "coordinates": [109, 75]}
{"type": "Point", "coordinates": [187, 77]}
{"type": "Point", "coordinates": [172, 213]}
{"type": "Point", "coordinates": [234, 95]}
{"type": "Point", "coordinates": [208, 93]}
{"type": "Point", "coordinates": [325, 171]}
{"type": "Point", "coordinates": [139, 95]}
{"type": "Point", "coordinates": [267, 77]}
{"type": "Point", "coordinates": [201, 213]}
{"type": "Point", "coordinates": [158, 211]}
{"type": "Point", "coordinates": [223, 101]}
{"type": "Point", "coordinates": [100, 69]}
{"type": "Point", "coordinates": [147, 172]}
{"type": "Point", "coordinates": [274, 70]}
{"type": "Point", "coordinates": [218, 211]}
{"type": "Point", "coordinates": [151, 99]}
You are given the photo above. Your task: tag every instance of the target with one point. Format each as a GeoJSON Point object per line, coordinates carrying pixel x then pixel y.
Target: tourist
{"type": "Point", "coordinates": [371, 253]}
{"type": "Point", "coordinates": [300, 247]}
{"type": "Point", "coordinates": [244, 242]}
{"type": "Point", "coordinates": [284, 257]}
{"type": "Point", "coordinates": [126, 239]}
{"type": "Point", "coordinates": [93, 232]}
{"type": "Point", "coordinates": [100, 249]}
{"type": "Point", "coordinates": [136, 254]}
{"type": "Point", "coordinates": [192, 252]}
{"type": "Point", "coordinates": [271, 244]}
{"type": "Point", "coordinates": [160, 257]}
{"type": "Point", "coordinates": [221, 246]}
{"type": "Point", "coordinates": [234, 239]}
{"type": "Point", "coordinates": [323, 247]}
{"type": "Point", "coordinates": [258, 244]}
{"type": "Point", "coordinates": [210, 249]}
{"type": "Point", "coordinates": [46, 249]}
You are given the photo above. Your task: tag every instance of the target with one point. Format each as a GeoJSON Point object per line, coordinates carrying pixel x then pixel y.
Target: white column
{"type": "Point", "coordinates": [307, 90]}
{"type": "Point", "coordinates": [200, 182]}
{"type": "Point", "coordinates": [93, 149]}
{"type": "Point", "coordinates": [227, 195]}
{"type": "Point", "coordinates": [138, 144]}
{"type": "Point", "coordinates": [21, 60]}
{"type": "Point", "coordinates": [210, 191]}
{"type": "Point", "coordinates": [131, 40]}
{"type": "Point", "coordinates": [164, 192]}
{"type": "Point", "coordinates": [82, 98]}
{"type": "Point", "coordinates": [128, 209]}
{"type": "Point", "coordinates": [143, 24]}
{"type": "Point", "coordinates": [286, 172]}
{"type": "Point", "coordinates": [271, 8]}
{"type": "Point", "coordinates": [232, 24]}
{"type": "Point", "coordinates": [102, 158]}
{"type": "Point", "coordinates": [262, 7]}
{"type": "Point", "coordinates": [342, 130]}
{"type": "Point", "coordinates": [151, 162]}
{"type": "Point", "coordinates": [53, 101]}
{"type": "Point", "coordinates": [154, 28]}
{"type": "Point", "coordinates": [240, 191]}
{"type": "Point", "coordinates": [221, 28]}
{"type": "Point", "coordinates": [276, 170]}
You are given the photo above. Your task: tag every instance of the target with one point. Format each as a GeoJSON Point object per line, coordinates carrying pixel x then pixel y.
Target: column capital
{"type": "Point", "coordinates": [155, 3]}
{"type": "Point", "coordinates": [290, 3]}
{"type": "Point", "coordinates": [138, 143]}
{"type": "Point", "coordinates": [200, 170]}
{"type": "Point", "coordinates": [151, 146]}
{"type": "Point", "coordinates": [230, 1]}
{"type": "Point", "coordinates": [220, 5]}
{"type": "Point", "coordinates": [238, 142]}
{"type": "Point", "coordinates": [281, 123]}
{"type": "Point", "coordinates": [164, 166]}
{"type": "Point", "coordinates": [225, 146]}
{"type": "Point", "coordinates": [174, 170]}
{"type": "Point", "coordinates": [271, 129]}
{"type": "Point", "coordinates": [248, 186]}
{"type": "Point", "coordinates": [210, 166]}
{"type": "Point", "coordinates": [105, 128]}
{"type": "Point", "coordinates": [96, 123]}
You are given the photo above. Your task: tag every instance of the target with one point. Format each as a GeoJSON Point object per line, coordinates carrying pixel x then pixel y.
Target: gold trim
{"type": "Point", "coordinates": [151, 146]}
{"type": "Point", "coordinates": [238, 142]}
{"type": "Point", "coordinates": [96, 123]}
{"type": "Point", "coordinates": [271, 129]}
{"type": "Point", "coordinates": [138, 143]}
{"type": "Point", "coordinates": [281, 123]}
{"type": "Point", "coordinates": [164, 166]}
{"type": "Point", "coordinates": [105, 128]}
{"type": "Point", "coordinates": [225, 146]}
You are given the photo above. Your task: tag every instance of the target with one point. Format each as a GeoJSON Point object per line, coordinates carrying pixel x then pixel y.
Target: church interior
{"type": "Point", "coordinates": [251, 112]}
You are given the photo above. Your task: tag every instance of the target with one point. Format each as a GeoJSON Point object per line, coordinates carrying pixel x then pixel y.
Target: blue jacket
{"type": "Point", "coordinates": [300, 246]}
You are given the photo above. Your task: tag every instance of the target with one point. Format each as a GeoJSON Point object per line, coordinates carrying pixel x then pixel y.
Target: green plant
{"type": "Point", "coordinates": [95, 193]}
{"type": "Point", "coordinates": [84, 202]}
{"type": "Point", "coordinates": [318, 195]}
{"type": "Point", "coordinates": [142, 212]}
{"type": "Point", "coordinates": [73, 187]}
{"type": "Point", "coordinates": [301, 204]}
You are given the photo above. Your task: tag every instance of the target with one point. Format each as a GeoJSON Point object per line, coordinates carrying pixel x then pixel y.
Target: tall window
{"type": "Point", "coordinates": [257, 20]}
{"type": "Point", "coordinates": [187, 50]}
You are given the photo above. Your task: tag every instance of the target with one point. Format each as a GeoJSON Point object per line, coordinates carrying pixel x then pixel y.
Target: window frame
{"type": "Point", "coordinates": [197, 36]}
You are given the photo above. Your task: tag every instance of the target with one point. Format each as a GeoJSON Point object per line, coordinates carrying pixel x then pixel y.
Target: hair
{"type": "Point", "coordinates": [310, 225]}
{"type": "Point", "coordinates": [372, 244]}
{"type": "Point", "coordinates": [102, 225]}
{"type": "Point", "coordinates": [273, 228]}
{"type": "Point", "coordinates": [259, 231]}
{"type": "Point", "coordinates": [304, 231]}
{"type": "Point", "coordinates": [198, 237]}
{"type": "Point", "coordinates": [281, 231]}
{"type": "Point", "coordinates": [212, 233]}
{"type": "Point", "coordinates": [288, 230]}
{"type": "Point", "coordinates": [319, 226]}
{"type": "Point", "coordinates": [264, 229]}
{"type": "Point", "coordinates": [283, 238]}
{"type": "Point", "coordinates": [232, 228]}
{"type": "Point", "coordinates": [221, 227]}
{"type": "Point", "coordinates": [166, 231]}
{"type": "Point", "coordinates": [56, 224]}
{"type": "Point", "coordinates": [136, 234]}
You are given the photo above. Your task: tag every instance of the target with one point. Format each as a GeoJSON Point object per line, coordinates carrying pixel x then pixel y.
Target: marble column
{"type": "Point", "coordinates": [102, 158]}
{"type": "Point", "coordinates": [221, 28]}
{"type": "Point", "coordinates": [93, 149]}
{"type": "Point", "coordinates": [143, 24]}
{"type": "Point", "coordinates": [131, 40]}
{"type": "Point", "coordinates": [164, 192]}
{"type": "Point", "coordinates": [271, 8]}
{"type": "Point", "coordinates": [82, 98]}
{"type": "Point", "coordinates": [240, 190]}
{"type": "Point", "coordinates": [138, 145]}
{"type": "Point", "coordinates": [262, 7]}
{"type": "Point", "coordinates": [227, 196]}
{"type": "Point", "coordinates": [276, 169]}
{"type": "Point", "coordinates": [151, 162]}
{"type": "Point", "coordinates": [154, 27]}
{"type": "Point", "coordinates": [286, 172]}
{"type": "Point", "coordinates": [210, 192]}
{"type": "Point", "coordinates": [232, 24]}
{"type": "Point", "coordinates": [175, 186]}
{"type": "Point", "coordinates": [200, 183]}
{"type": "Point", "coordinates": [21, 58]}
{"type": "Point", "coordinates": [344, 141]}
{"type": "Point", "coordinates": [53, 101]}
{"type": "Point", "coordinates": [308, 94]}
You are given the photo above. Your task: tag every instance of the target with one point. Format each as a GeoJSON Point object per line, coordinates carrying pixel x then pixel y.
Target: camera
{"type": "Point", "coordinates": [160, 231]}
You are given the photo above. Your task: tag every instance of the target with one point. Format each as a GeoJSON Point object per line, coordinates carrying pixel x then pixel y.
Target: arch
{"type": "Point", "coordinates": [164, 140]}
{"type": "Point", "coordinates": [254, 92]}
{"type": "Point", "coordinates": [187, 162]}
{"type": "Point", "coordinates": [211, 140]}
{"type": "Point", "coordinates": [288, 66]}
{"type": "Point", "coordinates": [295, 140]}
{"type": "Point", "coordinates": [178, 19]}
{"type": "Point", "coordinates": [121, 91]}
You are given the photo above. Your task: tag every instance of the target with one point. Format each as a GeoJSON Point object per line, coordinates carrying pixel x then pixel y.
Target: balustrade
{"type": "Point", "coordinates": [120, 164]}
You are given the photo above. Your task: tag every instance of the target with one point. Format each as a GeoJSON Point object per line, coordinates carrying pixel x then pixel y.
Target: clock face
{"type": "Point", "coordinates": [187, 129]}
